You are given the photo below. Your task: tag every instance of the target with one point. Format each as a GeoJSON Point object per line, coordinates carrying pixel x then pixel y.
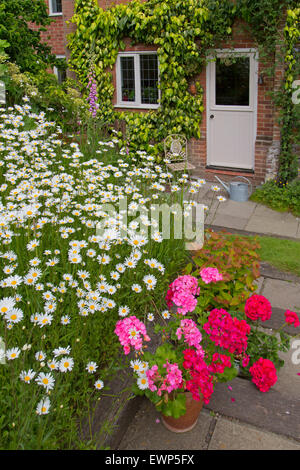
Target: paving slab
{"type": "Point", "coordinates": [147, 433]}
{"type": "Point", "coordinates": [271, 411]}
{"type": "Point", "coordinates": [282, 294]}
{"type": "Point", "coordinates": [232, 435]}
{"type": "Point", "coordinates": [265, 220]}
{"type": "Point", "coordinates": [288, 382]}
{"type": "Point", "coordinates": [243, 210]}
{"type": "Point", "coordinates": [228, 221]}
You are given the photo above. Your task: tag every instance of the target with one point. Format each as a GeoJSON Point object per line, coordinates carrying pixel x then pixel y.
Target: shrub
{"type": "Point", "coordinates": [237, 259]}
{"type": "Point", "coordinates": [285, 197]}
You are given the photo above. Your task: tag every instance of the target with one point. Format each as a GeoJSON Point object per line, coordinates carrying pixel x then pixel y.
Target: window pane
{"type": "Point", "coordinates": [232, 82]}
{"type": "Point", "coordinates": [61, 75]}
{"type": "Point", "coordinates": [56, 6]}
{"type": "Point", "coordinates": [127, 79]}
{"type": "Point", "coordinates": [149, 78]}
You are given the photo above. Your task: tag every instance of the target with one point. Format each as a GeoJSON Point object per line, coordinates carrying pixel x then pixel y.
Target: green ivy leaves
{"type": "Point", "coordinates": [173, 26]}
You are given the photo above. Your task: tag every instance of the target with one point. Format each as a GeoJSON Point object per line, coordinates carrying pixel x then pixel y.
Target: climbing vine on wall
{"type": "Point", "coordinates": [184, 32]}
{"type": "Point", "coordinates": [275, 26]}
{"type": "Point", "coordinates": [290, 125]}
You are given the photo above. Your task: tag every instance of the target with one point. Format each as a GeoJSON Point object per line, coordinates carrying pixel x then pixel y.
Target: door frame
{"type": "Point", "coordinates": [253, 90]}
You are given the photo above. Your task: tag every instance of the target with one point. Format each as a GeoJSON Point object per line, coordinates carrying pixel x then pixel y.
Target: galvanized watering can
{"type": "Point", "coordinates": [238, 191]}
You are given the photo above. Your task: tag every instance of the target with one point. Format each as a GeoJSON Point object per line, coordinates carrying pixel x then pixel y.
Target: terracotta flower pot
{"type": "Point", "coordinates": [189, 420]}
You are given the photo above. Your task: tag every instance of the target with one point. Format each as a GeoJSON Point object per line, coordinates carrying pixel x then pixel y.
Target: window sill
{"type": "Point", "coordinates": [136, 106]}
{"type": "Point", "coordinates": [55, 14]}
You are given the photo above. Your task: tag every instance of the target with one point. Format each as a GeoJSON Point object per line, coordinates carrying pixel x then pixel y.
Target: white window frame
{"type": "Point", "coordinates": [51, 12]}
{"type": "Point", "coordinates": [55, 69]}
{"type": "Point", "coordinates": [137, 103]}
{"type": "Point", "coordinates": [253, 57]}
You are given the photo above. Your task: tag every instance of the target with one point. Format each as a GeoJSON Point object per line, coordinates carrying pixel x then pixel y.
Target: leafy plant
{"type": "Point", "coordinates": [280, 197]}
{"type": "Point", "coordinates": [16, 27]}
{"type": "Point", "coordinates": [238, 261]}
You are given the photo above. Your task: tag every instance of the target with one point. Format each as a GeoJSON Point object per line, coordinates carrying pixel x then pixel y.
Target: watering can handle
{"type": "Point", "coordinates": [250, 184]}
{"type": "Point", "coordinates": [225, 186]}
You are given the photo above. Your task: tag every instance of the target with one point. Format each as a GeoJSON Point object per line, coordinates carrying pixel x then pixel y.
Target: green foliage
{"type": "Point", "coordinates": [290, 126]}
{"type": "Point", "coordinates": [61, 102]}
{"type": "Point", "coordinates": [281, 197]}
{"type": "Point", "coordinates": [268, 346]}
{"type": "Point", "coordinates": [238, 261]}
{"type": "Point", "coordinates": [25, 46]}
{"type": "Point", "coordinates": [3, 57]}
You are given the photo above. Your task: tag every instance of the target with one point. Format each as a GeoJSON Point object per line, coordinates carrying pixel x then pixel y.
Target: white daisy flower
{"type": "Point", "coordinates": [27, 376]}
{"type": "Point", "coordinates": [142, 383]}
{"type": "Point", "coordinates": [124, 311]}
{"type": "Point", "coordinates": [150, 281]}
{"type": "Point", "coordinates": [12, 353]}
{"type": "Point", "coordinates": [136, 288]}
{"type": "Point", "coordinates": [66, 364]}
{"type": "Point", "coordinates": [165, 314]}
{"type": "Point", "coordinates": [45, 380]}
{"type": "Point", "coordinates": [99, 384]}
{"type": "Point", "coordinates": [43, 406]}
{"type": "Point", "coordinates": [91, 367]}
{"type": "Point", "coordinates": [15, 315]}
{"type": "Point", "coordinates": [40, 356]}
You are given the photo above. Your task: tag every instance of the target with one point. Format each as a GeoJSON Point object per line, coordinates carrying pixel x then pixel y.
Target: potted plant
{"type": "Point", "coordinates": [179, 376]}
{"type": "Point", "coordinates": [196, 351]}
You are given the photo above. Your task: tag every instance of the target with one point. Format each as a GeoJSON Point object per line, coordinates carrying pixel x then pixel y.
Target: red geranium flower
{"type": "Point", "coordinates": [263, 374]}
{"type": "Point", "coordinates": [258, 307]}
{"type": "Point", "coordinates": [292, 318]}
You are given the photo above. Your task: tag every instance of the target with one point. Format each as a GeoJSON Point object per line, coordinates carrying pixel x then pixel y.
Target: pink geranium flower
{"type": "Point", "coordinates": [209, 275]}
{"type": "Point", "coordinates": [182, 292]}
{"type": "Point", "coordinates": [131, 333]}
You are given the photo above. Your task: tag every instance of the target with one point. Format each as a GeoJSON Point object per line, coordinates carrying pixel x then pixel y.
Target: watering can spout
{"type": "Point", "coordinates": [223, 184]}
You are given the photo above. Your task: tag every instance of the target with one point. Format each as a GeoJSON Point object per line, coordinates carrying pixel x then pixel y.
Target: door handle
{"type": "Point", "coordinates": [211, 116]}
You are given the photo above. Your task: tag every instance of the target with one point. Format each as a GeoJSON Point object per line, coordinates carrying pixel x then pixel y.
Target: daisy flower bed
{"type": "Point", "coordinates": [64, 282]}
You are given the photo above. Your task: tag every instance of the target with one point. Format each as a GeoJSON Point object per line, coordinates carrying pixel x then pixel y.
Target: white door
{"type": "Point", "coordinates": [231, 109]}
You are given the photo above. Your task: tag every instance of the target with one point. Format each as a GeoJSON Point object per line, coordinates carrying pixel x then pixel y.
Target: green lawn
{"type": "Point", "coordinates": [282, 254]}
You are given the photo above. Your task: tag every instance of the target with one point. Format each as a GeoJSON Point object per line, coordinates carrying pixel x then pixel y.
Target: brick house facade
{"type": "Point", "coordinates": [266, 133]}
